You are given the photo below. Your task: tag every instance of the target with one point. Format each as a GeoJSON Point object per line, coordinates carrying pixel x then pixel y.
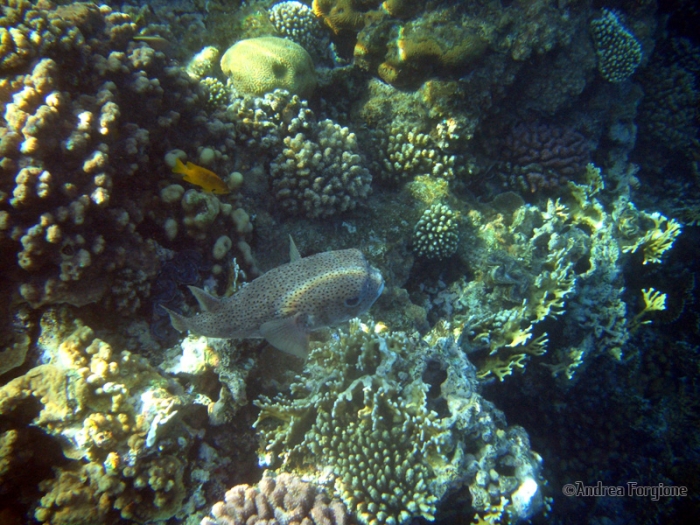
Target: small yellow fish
{"type": "Point", "coordinates": [202, 177]}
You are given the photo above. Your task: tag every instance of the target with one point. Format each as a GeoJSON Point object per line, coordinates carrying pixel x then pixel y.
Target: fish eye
{"type": "Point", "coordinates": [352, 301]}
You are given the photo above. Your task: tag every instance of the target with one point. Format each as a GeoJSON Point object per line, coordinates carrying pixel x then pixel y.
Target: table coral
{"type": "Point", "coordinates": [260, 65]}
{"type": "Point", "coordinates": [359, 418]}
{"type": "Point", "coordinates": [284, 499]}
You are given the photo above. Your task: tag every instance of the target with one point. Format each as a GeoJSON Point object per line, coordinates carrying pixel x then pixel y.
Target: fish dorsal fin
{"type": "Point", "coordinates": [293, 251]}
{"type": "Point", "coordinates": [287, 334]}
{"type": "Point", "coordinates": [207, 302]}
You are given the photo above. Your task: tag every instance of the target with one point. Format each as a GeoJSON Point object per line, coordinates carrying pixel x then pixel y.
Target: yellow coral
{"type": "Point", "coordinates": [339, 15]}
{"type": "Point", "coordinates": [261, 65]}
{"type": "Point", "coordinates": [657, 240]}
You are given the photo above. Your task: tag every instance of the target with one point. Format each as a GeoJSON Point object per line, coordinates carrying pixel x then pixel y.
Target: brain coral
{"type": "Point", "coordinates": [260, 65]}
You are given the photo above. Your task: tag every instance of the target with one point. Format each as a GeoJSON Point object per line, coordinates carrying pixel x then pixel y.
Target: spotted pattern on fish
{"type": "Point", "coordinates": [291, 300]}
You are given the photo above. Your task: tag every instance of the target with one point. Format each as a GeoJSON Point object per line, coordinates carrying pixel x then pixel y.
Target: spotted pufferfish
{"type": "Point", "coordinates": [287, 303]}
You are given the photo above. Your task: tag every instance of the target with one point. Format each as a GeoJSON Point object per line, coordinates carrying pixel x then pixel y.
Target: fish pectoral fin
{"type": "Point", "coordinates": [207, 302]}
{"type": "Point", "coordinates": [287, 334]}
{"type": "Point", "coordinates": [178, 321]}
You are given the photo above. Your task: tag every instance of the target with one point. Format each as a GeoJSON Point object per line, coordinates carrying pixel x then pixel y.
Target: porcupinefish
{"type": "Point", "coordinates": [202, 177]}
{"type": "Point", "coordinates": [286, 303]}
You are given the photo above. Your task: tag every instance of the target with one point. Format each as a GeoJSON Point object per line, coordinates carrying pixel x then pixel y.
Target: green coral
{"type": "Point", "coordinates": [619, 52]}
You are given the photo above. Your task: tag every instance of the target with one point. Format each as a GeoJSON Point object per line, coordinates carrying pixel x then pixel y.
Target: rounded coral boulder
{"type": "Point", "coordinates": [260, 65]}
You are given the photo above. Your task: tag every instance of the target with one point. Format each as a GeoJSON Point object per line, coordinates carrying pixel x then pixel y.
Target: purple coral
{"type": "Point", "coordinates": [284, 500]}
{"type": "Point", "coordinates": [544, 156]}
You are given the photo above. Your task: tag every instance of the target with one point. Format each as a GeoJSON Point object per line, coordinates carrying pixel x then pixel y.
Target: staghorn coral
{"type": "Point", "coordinates": [435, 235]}
{"type": "Point", "coordinates": [282, 500]}
{"type": "Point", "coordinates": [322, 174]}
{"type": "Point", "coordinates": [260, 65]}
{"type": "Point", "coordinates": [619, 52]}
{"type": "Point", "coordinates": [543, 156]}
{"type": "Point", "coordinates": [107, 410]}
{"type": "Point", "coordinates": [359, 418]}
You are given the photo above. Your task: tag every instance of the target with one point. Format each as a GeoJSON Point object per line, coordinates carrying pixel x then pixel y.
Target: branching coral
{"type": "Point", "coordinates": [322, 174]}
{"type": "Point", "coordinates": [619, 52]}
{"type": "Point", "coordinates": [360, 417]}
{"type": "Point", "coordinates": [436, 233]}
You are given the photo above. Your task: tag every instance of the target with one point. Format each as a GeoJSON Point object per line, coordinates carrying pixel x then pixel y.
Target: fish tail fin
{"type": "Point", "coordinates": [179, 167]}
{"type": "Point", "coordinates": [178, 321]}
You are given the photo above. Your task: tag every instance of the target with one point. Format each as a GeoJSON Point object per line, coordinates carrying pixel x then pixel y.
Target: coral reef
{"type": "Point", "coordinates": [359, 419]}
{"type": "Point", "coordinates": [260, 65]}
{"type": "Point", "coordinates": [284, 499]}
{"type": "Point", "coordinates": [75, 144]}
{"type": "Point", "coordinates": [619, 52]}
{"type": "Point", "coordinates": [436, 234]}
{"type": "Point", "coordinates": [669, 109]}
{"type": "Point", "coordinates": [107, 410]}
{"type": "Point", "coordinates": [262, 123]}
{"type": "Point", "coordinates": [543, 156]}
{"type": "Point", "coordinates": [561, 259]}
{"type": "Point", "coordinates": [320, 174]}
{"type": "Point", "coordinates": [343, 15]}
